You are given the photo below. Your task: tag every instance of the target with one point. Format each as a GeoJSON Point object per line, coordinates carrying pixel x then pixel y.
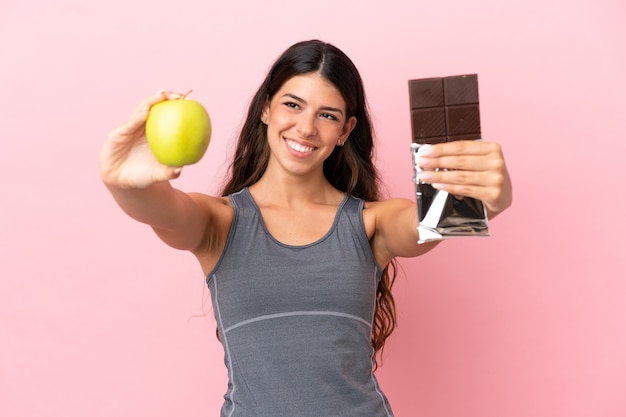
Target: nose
{"type": "Point", "coordinates": [306, 125]}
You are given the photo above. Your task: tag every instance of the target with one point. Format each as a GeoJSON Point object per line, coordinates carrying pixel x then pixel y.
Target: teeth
{"type": "Point", "coordinates": [298, 147]}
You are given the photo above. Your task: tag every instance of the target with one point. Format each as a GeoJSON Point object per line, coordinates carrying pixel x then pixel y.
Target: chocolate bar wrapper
{"type": "Point", "coordinates": [442, 215]}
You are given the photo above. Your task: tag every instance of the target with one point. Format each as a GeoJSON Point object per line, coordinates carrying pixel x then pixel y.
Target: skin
{"type": "Point", "coordinates": [305, 120]}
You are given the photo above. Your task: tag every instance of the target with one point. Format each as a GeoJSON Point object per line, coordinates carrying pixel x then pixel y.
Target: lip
{"type": "Point", "coordinates": [300, 143]}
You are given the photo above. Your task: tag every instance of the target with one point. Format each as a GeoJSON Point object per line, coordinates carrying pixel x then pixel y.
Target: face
{"type": "Point", "coordinates": [305, 120]}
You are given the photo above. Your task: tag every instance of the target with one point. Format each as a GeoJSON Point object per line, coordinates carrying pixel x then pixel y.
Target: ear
{"type": "Point", "coordinates": [265, 113]}
{"type": "Point", "coordinates": [347, 129]}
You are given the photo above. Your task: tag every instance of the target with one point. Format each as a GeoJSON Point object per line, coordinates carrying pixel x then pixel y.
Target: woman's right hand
{"type": "Point", "coordinates": [126, 160]}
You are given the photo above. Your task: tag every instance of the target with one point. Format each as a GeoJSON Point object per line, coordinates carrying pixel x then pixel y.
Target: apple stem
{"type": "Point", "coordinates": [186, 94]}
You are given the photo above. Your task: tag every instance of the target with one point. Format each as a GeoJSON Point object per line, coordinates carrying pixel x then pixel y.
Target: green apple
{"type": "Point", "coordinates": [178, 131]}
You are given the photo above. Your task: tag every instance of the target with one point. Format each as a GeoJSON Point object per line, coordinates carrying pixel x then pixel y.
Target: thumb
{"type": "Point", "coordinates": [176, 171]}
{"type": "Point", "coordinates": [166, 173]}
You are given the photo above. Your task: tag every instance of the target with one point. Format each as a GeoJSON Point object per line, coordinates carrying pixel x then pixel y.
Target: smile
{"type": "Point", "coordinates": [298, 147]}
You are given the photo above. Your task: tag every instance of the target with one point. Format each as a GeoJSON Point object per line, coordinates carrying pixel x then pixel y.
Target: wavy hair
{"type": "Point", "coordinates": [349, 168]}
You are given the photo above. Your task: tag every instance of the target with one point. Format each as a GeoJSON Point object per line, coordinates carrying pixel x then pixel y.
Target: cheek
{"type": "Point", "coordinates": [280, 119]}
{"type": "Point", "coordinates": [276, 122]}
{"type": "Point", "coordinates": [273, 135]}
{"type": "Point", "coordinates": [330, 132]}
{"type": "Point", "coordinates": [270, 132]}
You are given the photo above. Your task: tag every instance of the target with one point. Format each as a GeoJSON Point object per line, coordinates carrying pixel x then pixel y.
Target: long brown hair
{"type": "Point", "coordinates": [349, 168]}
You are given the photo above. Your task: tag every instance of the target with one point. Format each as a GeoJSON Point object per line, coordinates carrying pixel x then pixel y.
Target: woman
{"type": "Point", "coordinates": [299, 249]}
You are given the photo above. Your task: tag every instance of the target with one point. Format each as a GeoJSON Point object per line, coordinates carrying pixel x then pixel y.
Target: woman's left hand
{"type": "Point", "coordinates": [470, 168]}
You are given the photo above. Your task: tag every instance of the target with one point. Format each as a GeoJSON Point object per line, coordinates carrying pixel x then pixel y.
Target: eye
{"type": "Point", "coordinates": [291, 104]}
{"type": "Point", "coordinates": [329, 116]}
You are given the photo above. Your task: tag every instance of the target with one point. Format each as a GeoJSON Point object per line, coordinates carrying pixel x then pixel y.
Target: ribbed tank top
{"type": "Point", "coordinates": [296, 321]}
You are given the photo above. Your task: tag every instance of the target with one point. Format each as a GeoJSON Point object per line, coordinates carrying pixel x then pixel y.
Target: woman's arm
{"type": "Point", "coordinates": [140, 184]}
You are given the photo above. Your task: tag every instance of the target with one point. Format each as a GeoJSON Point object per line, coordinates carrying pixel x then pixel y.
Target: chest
{"type": "Point", "coordinates": [298, 227]}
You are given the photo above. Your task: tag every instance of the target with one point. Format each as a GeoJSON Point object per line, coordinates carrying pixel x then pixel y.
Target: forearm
{"type": "Point", "coordinates": [159, 205]}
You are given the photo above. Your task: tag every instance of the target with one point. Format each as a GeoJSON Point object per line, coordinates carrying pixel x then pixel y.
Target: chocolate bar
{"type": "Point", "coordinates": [444, 109]}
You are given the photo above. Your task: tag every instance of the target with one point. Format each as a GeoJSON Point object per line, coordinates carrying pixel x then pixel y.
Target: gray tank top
{"type": "Point", "coordinates": [296, 321]}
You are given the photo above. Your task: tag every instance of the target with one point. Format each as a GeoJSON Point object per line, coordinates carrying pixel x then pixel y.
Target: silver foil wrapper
{"type": "Point", "coordinates": [442, 215]}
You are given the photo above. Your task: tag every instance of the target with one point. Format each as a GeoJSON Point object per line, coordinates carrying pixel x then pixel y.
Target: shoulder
{"type": "Point", "coordinates": [216, 205]}
{"type": "Point", "coordinates": [387, 207]}
{"type": "Point", "coordinates": [375, 212]}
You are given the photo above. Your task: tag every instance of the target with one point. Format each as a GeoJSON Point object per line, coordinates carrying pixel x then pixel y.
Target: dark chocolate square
{"type": "Point", "coordinates": [427, 92]}
{"type": "Point", "coordinates": [463, 120]}
{"type": "Point", "coordinates": [429, 122]}
{"type": "Point", "coordinates": [461, 89]}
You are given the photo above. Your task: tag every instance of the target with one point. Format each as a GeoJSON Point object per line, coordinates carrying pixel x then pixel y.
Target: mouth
{"type": "Point", "coordinates": [299, 147]}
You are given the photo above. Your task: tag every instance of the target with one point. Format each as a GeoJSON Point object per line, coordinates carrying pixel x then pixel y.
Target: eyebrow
{"type": "Point", "coordinates": [301, 100]}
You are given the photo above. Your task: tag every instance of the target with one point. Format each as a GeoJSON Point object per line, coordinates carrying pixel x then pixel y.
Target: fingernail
{"type": "Point", "coordinates": [177, 171]}
{"type": "Point", "coordinates": [422, 162]}
{"type": "Point", "coordinates": [425, 150]}
{"type": "Point", "coordinates": [425, 176]}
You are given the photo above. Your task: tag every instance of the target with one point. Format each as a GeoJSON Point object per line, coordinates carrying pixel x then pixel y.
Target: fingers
{"type": "Point", "coordinates": [459, 181]}
{"type": "Point", "coordinates": [460, 155]}
{"type": "Point", "coordinates": [493, 189]}
{"type": "Point", "coordinates": [158, 97]}
{"type": "Point", "coordinates": [468, 168]}
{"type": "Point", "coordinates": [140, 113]}
{"type": "Point", "coordinates": [460, 147]}
{"type": "Point", "coordinates": [459, 163]}
{"type": "Point", "coordinates": [137, 120]}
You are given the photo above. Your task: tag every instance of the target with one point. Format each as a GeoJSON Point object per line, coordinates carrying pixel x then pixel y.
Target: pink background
{"type": "Point", "coordinates": [99, 318]}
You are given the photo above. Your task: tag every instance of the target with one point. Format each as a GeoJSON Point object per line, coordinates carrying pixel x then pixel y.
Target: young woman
{"type": "Point", "coordinates": [299, 249]}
